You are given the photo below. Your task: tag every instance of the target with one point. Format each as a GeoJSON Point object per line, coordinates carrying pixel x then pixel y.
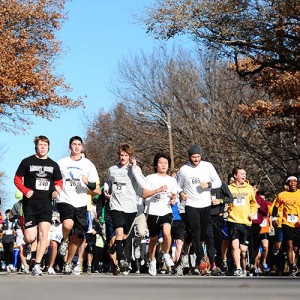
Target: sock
{"type": "Point", "coordinates": [119, 248]}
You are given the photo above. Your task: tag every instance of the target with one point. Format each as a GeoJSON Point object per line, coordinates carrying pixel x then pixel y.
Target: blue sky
{"type": "Point", "coordinates": [96, 36]}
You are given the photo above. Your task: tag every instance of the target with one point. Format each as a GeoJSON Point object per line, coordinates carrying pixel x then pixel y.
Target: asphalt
{"type": "Point", "coordinates": [144, 287]}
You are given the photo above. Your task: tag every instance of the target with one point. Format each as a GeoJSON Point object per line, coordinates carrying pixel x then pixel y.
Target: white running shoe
{"type": "Point", "coordinates": [36, 270]}
{"type": "Point", "coordinates": [76, 270]}
{"type": "Point", "coordinates": [168, 260]}
{"type": "Point", "coordinates": [51, 271]}
{"type": "Point", "coordinates": [152, 268]}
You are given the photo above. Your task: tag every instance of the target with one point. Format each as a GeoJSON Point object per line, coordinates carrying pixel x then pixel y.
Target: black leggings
{"type": "Point", "coordinates": [8, 253]}
{"type": "Point", "coordinates": [198, 219]}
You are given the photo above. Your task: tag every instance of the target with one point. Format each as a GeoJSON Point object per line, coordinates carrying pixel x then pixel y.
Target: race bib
{"type": "Point", "coordinates": [8, 231]}
{"type": "Point", "coordinates": [120, 188]}
{"type": "Point", "coordinates": [239, 201]}
{"type": "Point", "coordinates": [42, 184]}
{"type": "Point", "coordinates": [71, 184]}
{"type": "Point", "coordinates": [195, 181]}
{"type": "Point", "coordinates": [292, 218]}
{"type": "Point", "coordinates": [263, 223]}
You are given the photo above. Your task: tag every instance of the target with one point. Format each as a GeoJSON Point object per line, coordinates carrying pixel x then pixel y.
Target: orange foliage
{"type": "Point", "coordinates": [28, 49]}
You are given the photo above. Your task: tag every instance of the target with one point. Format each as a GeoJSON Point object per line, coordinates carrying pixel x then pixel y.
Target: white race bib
{"type": "Point", "coordinates": [42, 184]}
{"type": "Point", "coordinates": [119, 188]}
{"type": "Point", "coordinates": [239, 201]}
{"type": "Point", "coordinates": [195, 181]}
{"type": "Point", "coordinates": [292, 218]}
{"type": "Point", "coordinates": [263, 223]}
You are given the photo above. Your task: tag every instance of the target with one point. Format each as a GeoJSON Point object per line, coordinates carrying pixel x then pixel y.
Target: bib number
{"type": "Point", "coordinates": [42, 184]}
{"type": "Point", "coordinates": [120, 188]}
{"type": "Point", "coordinates": [239, 201]}
{"type": "Point", "coordinates": [292, 218]}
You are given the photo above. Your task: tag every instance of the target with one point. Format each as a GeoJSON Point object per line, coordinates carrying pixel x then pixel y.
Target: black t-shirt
{"type": "Point", "coordinates": [39, 175]}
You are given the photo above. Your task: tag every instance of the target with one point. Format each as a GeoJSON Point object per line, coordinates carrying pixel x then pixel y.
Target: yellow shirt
{"type": "Point", "coordinates": [244, 204]}
{"type": "Point", "coordinates": [290, 202]}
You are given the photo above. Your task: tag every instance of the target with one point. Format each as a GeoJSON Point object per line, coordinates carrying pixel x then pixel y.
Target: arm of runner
{"type": "Point", "coordinates": [148, 193]}
{"type": "Point", "coordinates": [18, 181]}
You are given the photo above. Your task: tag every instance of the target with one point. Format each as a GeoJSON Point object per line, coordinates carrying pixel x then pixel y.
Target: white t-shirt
{"type": "Point", "coordinates": [159, 204]}
{"type": "Point", "coordinates": [74, 190]}
{"type": "Point", "coordinates": [189, 178]}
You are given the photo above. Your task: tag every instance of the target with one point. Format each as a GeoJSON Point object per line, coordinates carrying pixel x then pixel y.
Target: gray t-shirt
{"type": "Point", "coordinates": [122, 181]}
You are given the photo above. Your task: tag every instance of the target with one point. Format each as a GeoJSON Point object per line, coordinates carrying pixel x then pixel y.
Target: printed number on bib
{"type": "Point", "coordinates": [120, 188]}
{"type": "Point", "coordinates": [292, 218]}
{"type": "Point", "coordinates": [239, 201]}
{"type": "Point", "coordinates": [42, 184]}
{"type": "Point", "coordinates": [195, 181]}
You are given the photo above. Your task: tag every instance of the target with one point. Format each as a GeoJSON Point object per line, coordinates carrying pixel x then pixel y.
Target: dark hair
{"type": "Point", "coordinates": [229, 178]}
{"type": "Point", "coordinates": [235, 169]}
{"type": "Point", "coordinates": [7, 211]}
{"type": "Point", "coordinates": [157, 157]}
{"type": "Point", "coordinates": [75, 138]}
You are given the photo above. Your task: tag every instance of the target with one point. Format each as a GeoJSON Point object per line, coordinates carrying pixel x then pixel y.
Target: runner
{"type": "Point", "coordinates": [195, 180]}
{"type": "Point", "coordinates": [122, 188]}
{"type": "Point", "coordinates": [290, 200]}
{"type": "Point", "coordinates": [79, 175]}
{"type": "Point", "coordinates": [240, 216]}
{"type": "Point", "coordinates": [161, 193]}
{"type": "Point", "coordinates": [39, 179]}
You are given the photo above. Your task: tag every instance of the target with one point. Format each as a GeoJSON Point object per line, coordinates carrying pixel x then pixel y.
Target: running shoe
{"type": "Point", "coordinates": [224, 266]}
{"type": "Point", "coordinates": [116, 270]}
{"type": "Point", "coordinates": [216, 271]}
{"type": "Point", "coordinates": [293, 271]}
{"type": "Point", "coordinates": [179, 270]}
{"type": "Point", "coordinates": [196, 272]}
{"type": "Point", "coordinates": [51, 271]}
{"type": "Point", "coordinates": [89, 269]}
{"type": "Point", "coordinates": [265, 267]}
{"type": "Point", "coordinates": [8, 270]}
{"type": "Point", "coordinates": [168, 260]}
{"type": "Point", "coordinates": [152, 268]}
{"type": "Point", "coordinates": [76, 270]}
{"type": "Point", "coordinates": [36, 270]}
{"type": "Point", "coordinates": [238, 272]}
{"type": "Point", "coordinates": [63, 247]}
{"type": "Point", "coordinates": [123, 265]}
{"type": "Point", "coordinates": [26, 270]}
{"type": "Point", "coordinates": [67, 269]}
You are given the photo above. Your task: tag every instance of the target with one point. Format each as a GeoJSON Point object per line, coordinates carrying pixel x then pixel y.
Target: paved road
{"type": "Point", "coordinates": [145, 287]}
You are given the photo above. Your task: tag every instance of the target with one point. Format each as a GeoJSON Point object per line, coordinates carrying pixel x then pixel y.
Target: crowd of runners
{"type": "Point", "coordinates": [180, 221]}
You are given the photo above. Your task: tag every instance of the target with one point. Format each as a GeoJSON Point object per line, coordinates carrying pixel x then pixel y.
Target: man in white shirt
{"type": "Point", "coordinates": [195, 180]}
{"type": "Point", "coordinates": [79, 175]}
{"type": "Point", "coordinates": [160, 192]}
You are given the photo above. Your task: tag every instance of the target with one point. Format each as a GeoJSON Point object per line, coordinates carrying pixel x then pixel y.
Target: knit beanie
{"type": "Point", "coordinates": [195, 149]}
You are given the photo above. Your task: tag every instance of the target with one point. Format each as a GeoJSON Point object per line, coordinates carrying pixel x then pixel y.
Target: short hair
{"type": "Point", "coordinates": [75, 138]}
{"type": "Point", "coordinates": [7, 211]}
{"type": "Point", "coordinates": [41, 138]}
{"type": "Point", "coordinates": [157, 157]}
{"type": "Point", "coordinates": [235, 169]}
{"type": "Point", "coordinates": [125, 148]}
